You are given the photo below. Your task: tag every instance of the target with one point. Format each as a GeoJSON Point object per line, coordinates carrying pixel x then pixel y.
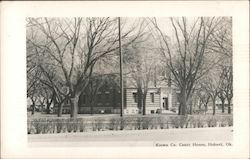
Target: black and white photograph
{"type": "Point", "coordinates": [141, 80]}
{"type": "Point", "coordinates": [138, 79]}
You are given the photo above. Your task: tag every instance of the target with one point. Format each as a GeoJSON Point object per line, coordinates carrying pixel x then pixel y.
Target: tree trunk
{"type": "Point", "coordinates": [42, 107]}
{"type": "Point", "coordinates": [33, 109]}
{"type": "Point", "coordinates": [140, 98]}
{"type": "Point", "coordinates": [223, 105]}
{"type": "Point", "coordinates": [48, 107]}
{"type": "Point", "coordinates": [74, 106]}
{"type": "Point", "coordinates": [229, 107]}
{"type": "Point", "coordinates": [60, 109]}
{"type": "Point", "coordinates": [184, 108]}
{"type": "Point", "coordinates": [205, 106]}
{"type": "Point", "coordinates": [191, 108]}
{"type": "Point", "coordinates": [206, 102]}
{"type": "Point", "coordinates": [91, 108]}
{"type": "Point", "coordinates": [199, 106]}
{"type": "Point", "coordinates": [179, 109]}
{"type": "Point", "coordinates": [214, 106]}
{"type": "Point", "coordinates": [183, 103]}
{"type": "Point", "coordinates": [50, 102]}
{"type": "Point", "coordinates": [144, 104]}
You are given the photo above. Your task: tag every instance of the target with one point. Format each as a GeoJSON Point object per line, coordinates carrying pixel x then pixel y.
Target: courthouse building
{"type": "Point", "coordinates": [107, 100]}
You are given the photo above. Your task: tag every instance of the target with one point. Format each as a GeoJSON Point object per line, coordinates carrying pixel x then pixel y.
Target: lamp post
{"type": "Point", "coordinates": [121, 61]}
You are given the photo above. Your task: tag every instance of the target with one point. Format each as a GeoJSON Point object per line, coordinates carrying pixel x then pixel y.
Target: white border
{"type": "Point", "coordinates": [13, 79]}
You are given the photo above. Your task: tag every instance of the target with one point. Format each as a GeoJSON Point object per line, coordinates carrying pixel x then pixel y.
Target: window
{"type": "Point", "coordinates": [68, 102]}
{"type": "Point", "coordinates": [165, 104]}
{"type": "Point", "coordinates": [135, 97]}
{"type": "Point", "coordinates": [152, 97]}
{"type": "Point", "coordinates": [83, 99]}
{"type": "Point", "coordinates": [107, 97]}
{"type": "Point", "coordinates": [99, 98]}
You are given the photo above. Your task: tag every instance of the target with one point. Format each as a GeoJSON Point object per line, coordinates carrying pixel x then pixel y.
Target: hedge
{"type": "Point", "coordinates": [63, 125]}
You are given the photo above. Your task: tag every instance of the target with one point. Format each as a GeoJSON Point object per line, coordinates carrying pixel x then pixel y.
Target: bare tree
{"type": "Point", "coordinates": [33, 75]}
{"type": "Point", "coordinates": [71, 47]}
{"type": "Point", "coordinates": [223, 88]}
{"type": "Point", "coordinates": [47, 96]}
{"type": "Point", "coordinates": [203, 96]}
{"type": "Point", "coordinates": [92, 90]}
{"type": "Point", "coordinates": [227, 86]}
{"type": "Point", "coordinates": [33, 95]}
{"type": "Point", "coordinates": [187, 57]}
{"type": "Point", "coordinates": [212, 83]}
{"type": "Point", "coordinates": [141, 61]}
{"type": "Point", "coordinates": [40, 70]}
{"type": "Point", "coordinates": [221, 42]}
{"type": "Point", "coordinates": [222, 97]}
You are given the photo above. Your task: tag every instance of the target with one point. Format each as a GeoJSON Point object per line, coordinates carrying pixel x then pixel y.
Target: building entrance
{"type": "Point", "coordinates": [165, 103]}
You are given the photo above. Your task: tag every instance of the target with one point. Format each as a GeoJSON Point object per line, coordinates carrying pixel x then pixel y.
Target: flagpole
{"type": "Point", "coordinates": [121, 71]}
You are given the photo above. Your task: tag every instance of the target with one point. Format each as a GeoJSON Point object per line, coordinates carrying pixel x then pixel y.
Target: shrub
{"type": "Point", "coordinates": [38, 125]}
{"type": "Point", "coordinates": [146, 122]}
{"type": "Point", "coordinates": [51, 126]}
{"type": "Point", "coordinates": [59, 125]}
{"type": "Point", "coordinates": [226, 121]}
{"type": "Point", "coordinates": [114, 124]}
{"type": "Point", "coordinates": [182, 121]}
{"type": "Point", "coordinates": [199, 121]}
{"type": "Point", "coordinates": [97, 124]}
{"type": "Point", "coordinates": [189, 121]}
{"type": "Point", "coordinates": [179, 121]}
{"type": "Point", "coordinates": [47, 125]}
{"type": "Point", "coordinates": [196, 121]}
{"type": "Point", "coordinates": [29, 127]}
{"type": "Point", "coordinates": [82, 125]}
{"type": "Point", "coordinates": [69, 125]}
{"type": "Point", "coordinates": [175, 122]}
{"type": "Point", "coordinates": [129, 123]}
{"type": "Point", "coordinates": [154, 123]}
{"type": "Point", "coordinates": [161, 121]}
{"type": "Point", "coordinates": [222, 122]}
{"type": "Point", "coordinates": [151, 123]}
{"type": "Point", "coordinates": [229, 120]}
{"type": "Point", "coordinates": [138, 124]}
{"type": "Point", "coordinates": [122, 122]}
{"type": "Point", "coordinates": [211, 121]}
{"type": "Point", "coordinates": [76, 125]}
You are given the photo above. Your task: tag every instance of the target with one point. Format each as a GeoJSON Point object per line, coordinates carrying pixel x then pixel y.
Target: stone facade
{"type": "Point", "coordinates": [152, 101]}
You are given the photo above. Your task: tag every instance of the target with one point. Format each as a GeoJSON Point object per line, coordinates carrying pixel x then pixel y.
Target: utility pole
{"type": "Point", "coordinates": [121, 61]}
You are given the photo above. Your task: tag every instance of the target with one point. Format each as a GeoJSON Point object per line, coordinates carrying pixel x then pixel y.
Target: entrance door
{"type": "Point", "coordinates": [165, 104]}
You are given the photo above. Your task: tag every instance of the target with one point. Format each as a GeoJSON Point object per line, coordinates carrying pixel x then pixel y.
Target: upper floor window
{"type": "Point", "coordinates": [152, 97]}
{"type": "Point", "coordinates": [99, 98]}
{"type": "Point", "coordinates": [68, 102]}
{"type": "Point", "coordinates": [107, 97]}
{"type": "Point", "coordinates": [135, 97]}
{"type": "Point", "coordinates": [83, 99]}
